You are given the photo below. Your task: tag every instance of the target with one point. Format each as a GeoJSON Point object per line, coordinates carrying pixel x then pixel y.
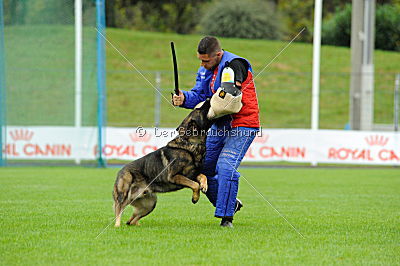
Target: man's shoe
{"type": "Point", "coordinates": [226, 222]}
{"type": "Point", "coordinates": [239, 205]}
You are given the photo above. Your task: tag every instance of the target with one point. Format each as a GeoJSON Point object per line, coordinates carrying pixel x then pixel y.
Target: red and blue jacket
{"type": "Point", "coordinates": [248, 116]}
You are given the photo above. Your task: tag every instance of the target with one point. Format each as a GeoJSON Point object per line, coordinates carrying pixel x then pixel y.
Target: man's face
{"type": "Point", "coordinates": [209, 61]}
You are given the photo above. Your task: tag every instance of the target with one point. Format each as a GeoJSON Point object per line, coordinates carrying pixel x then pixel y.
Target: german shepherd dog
{"type": "Point", "coordinates": [172, 167]}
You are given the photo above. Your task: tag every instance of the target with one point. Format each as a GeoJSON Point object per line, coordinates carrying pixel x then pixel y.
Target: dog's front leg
{"type": "Point", "coordinates": [184, 181]}
{"type": "Point", "coordinates": [202, 179]}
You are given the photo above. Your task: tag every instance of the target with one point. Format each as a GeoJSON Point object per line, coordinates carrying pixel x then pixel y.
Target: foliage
{"type": "Point", "coordinates": [250, 19]}
{"type": "Point", "coordinates": [162, 15]}
{"type": "Point", "coordinates": [337, 30]}
{"type": "Point", "coordinates": [185, 16]}
{"type": "Point", "coordinates": [387, 34]}
{"type": "Point", "coordinates": [297, 14]}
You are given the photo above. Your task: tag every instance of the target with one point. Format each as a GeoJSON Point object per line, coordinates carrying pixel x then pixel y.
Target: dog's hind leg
{"type": "Point", "coordinates": [129, 222]}
{"type": "Point", "coordinates": [117, 208]}
{"type": "Point", "coordinates": [184, 181]}
{"type": "Point", "coordinates": [142, 207]}
{"type": "Point", "coordinates": [121, 194]}
{"type": "Point", "coordinates": [118, 214]}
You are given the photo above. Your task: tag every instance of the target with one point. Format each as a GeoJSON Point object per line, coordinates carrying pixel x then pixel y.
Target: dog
{"type": "Point", "coordinates": [172, 167]}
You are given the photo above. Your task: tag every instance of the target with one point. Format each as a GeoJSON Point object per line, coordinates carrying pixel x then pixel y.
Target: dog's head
{"type": "Point", "coordinates": [196, 123]}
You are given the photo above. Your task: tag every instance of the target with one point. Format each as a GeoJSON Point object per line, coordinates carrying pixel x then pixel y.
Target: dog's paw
{"type": "Point", "coordinates": [135, 223]}
{"type": "Point", "coordinates": [117, 222]}
{"type": "Point", "coordinates": [195, 198]}
{"type": "Point", "coordinates": [204, 187]}
{"type": "Point", "coordinates": [202, 180]}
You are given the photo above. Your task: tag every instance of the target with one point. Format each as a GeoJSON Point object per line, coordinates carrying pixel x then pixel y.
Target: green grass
{"type": "Point", "coordinates": [40, 76]}
{"type": "Point", "coordinates": [348, 216]}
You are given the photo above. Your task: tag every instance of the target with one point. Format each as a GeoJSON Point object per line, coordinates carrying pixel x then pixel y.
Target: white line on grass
{"type": "Point", "coordinates": [135, 198]}
{"type": "Point", "coordinates": [113, 46]}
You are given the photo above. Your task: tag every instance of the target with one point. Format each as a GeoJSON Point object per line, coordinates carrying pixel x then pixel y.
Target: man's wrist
{"type": "Point", "coordinates": [184, 100]}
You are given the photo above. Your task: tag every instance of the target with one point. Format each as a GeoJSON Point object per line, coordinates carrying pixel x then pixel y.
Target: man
{"type": "Point", "coordinates": [231, 135]}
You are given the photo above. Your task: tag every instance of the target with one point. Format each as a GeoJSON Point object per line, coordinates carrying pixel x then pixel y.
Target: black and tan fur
{"type": "Point", "coordinates": [172, 167]}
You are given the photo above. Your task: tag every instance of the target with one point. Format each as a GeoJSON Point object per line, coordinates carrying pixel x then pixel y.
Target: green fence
{"type": "Point", "coordinates": [38, 64]}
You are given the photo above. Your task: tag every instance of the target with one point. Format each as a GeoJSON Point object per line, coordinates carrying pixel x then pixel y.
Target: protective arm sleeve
{"type": "Point", "coordinates": [240, 67]}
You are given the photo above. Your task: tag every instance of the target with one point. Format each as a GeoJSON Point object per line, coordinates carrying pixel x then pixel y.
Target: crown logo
{"type": "Point", "coordinates": [261, 139]}
{"type": "Point", "coordinates": [376, 140]}
{"type": "Point", "coordinates": [21, 134]}
{"type": "Point", "coordinates": [138, 137]}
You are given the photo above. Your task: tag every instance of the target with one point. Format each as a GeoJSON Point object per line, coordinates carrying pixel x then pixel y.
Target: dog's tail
{"type": "Point", "coordinates": [120, 193]}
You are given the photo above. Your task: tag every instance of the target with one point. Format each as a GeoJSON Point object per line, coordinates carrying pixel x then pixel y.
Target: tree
{"type": "Point", "coordinates": [337, 30]}
{"type": "Point", "coordinates": [300, 13]}
{"type": "Point", "coordinates": [156, 15]}
{"type": "Point", "coordinates": [252, 19]}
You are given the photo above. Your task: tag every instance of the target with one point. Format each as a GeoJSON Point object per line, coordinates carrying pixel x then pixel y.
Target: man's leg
{"type": "Point", "coordinates": [236, 146]}
{"type": "Point", "coordinates": [214, 145]}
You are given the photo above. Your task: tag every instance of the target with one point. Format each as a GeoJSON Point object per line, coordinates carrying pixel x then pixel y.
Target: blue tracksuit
{"type": "Point", "coordinates": [226, 146]}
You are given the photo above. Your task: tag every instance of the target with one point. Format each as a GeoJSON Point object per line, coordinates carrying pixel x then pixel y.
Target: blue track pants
{"type": "Point", "coordinates": [226, 148]}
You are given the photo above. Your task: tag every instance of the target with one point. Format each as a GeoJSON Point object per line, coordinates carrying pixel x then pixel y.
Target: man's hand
{"type": "Point", "coordinates": [178, 100]}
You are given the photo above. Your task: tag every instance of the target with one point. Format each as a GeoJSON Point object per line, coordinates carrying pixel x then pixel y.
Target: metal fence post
{"type": "Point", "coordinates": [3, 103]}
{"type": "Point", "coordinates": [78, 74]}
{"type": "Point", "coordinates": [101, 80]}
{"type": "Point", "coordinates": [396, 102]}
{"type": "Point", "coordinates": [157, 102]}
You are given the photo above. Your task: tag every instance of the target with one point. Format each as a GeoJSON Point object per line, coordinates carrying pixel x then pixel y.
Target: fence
{"type": "Point", "coordinates": [51, 63]}
{"type": "Point", "coordinates": [284, 99]}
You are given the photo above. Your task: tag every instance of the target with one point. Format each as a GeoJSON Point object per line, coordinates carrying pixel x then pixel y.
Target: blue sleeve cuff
{"type": "Point", "coordinates": [185, 101]}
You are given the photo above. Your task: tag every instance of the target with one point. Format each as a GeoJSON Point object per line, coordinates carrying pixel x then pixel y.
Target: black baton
{"type": "Point", "coordinates": [175, 69]}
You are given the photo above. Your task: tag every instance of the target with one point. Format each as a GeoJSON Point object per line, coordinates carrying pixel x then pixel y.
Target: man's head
{"type": "Point", "coordinates": [209, 52]}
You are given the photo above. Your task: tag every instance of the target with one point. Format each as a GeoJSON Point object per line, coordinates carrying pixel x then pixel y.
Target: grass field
{"type": "Point", "coordinates": [347, 216]}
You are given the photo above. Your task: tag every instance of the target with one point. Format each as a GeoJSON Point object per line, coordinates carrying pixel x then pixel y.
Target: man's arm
{"type": "Point", "coordinates": [189, 99]}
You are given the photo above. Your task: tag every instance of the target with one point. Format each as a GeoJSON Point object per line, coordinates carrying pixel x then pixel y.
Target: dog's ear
{"type": "Point", "coordinates": [203, 105]}
{"type": "Point", "coordinates": [184, 124]}
{"type": "Point", "coordinates": [206, 105]}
